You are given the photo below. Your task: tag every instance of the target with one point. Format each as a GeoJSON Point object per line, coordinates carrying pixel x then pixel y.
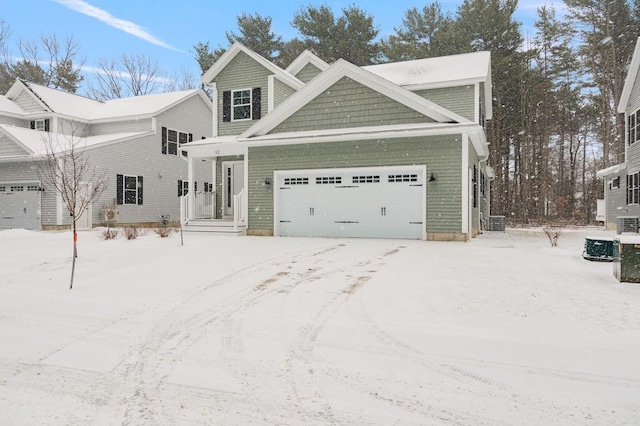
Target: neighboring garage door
{"type": "Point", "coordinates": [20, 205]}
{"type": "Point", "coordinates": [382, 202]}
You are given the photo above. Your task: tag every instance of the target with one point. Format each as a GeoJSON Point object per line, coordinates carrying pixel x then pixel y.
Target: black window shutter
{"type": "Point", "coordinates": [32, 124]}
{"type": "Point", "coordinates": [226, 106]}
{"type": "Point", "coordinates": [140, 190]}
{"type": "Point", "coordinates": [195, 186]}
{"type": "Point", "coordinates": [46, 124]}
{"type": "Point", "coordinates": [164, 140]}
{"type": "Point", "coordinates": [179, 188]}
{"type": "Point", "coordinates": [256, 103]}
{"type": "Point", "coordinates": [119, 185]}
{"type": "Point", "coordinates": [190, 137]}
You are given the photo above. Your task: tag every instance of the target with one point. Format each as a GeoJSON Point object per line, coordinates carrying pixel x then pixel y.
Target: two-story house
{"type": "Point", "coordinates": [395, 150]}
{"type": "Point", "coordinates": [622, 181]}
{"type": "Point", "coordinates": [135, 141]}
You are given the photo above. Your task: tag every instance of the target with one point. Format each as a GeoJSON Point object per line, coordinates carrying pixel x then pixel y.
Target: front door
{"type": "Point", "coordinates": [233, 178]}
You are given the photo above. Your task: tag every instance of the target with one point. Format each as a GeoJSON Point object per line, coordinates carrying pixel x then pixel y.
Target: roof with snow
{"type": "Point", "coordinates": [34, 140]}
{"type": "Point", "coordinates": [83, 108]}
{"type": "Point", "coordinates": [470, 67]}
{"type": "Point", "coordinates": [7, 105]}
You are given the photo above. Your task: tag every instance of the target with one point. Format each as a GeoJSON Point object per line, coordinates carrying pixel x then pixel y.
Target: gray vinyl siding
{"type": "Point", "coordinates": [633, 150]}
{"type": "Point", "coordinates": [281, 92]}
{"type": "Point", "coordinates": [616, 200]}
{"type": "Point", "coordinates": [460, 100]}
{"type": "Point", "coordinates": [28, 103]}
{"type": "Point", "coordinates": [9, 148]}
{"type": "Point", "coordinates": [121, 127]}
{"type": "Point", "coordinates": [76, 128]}
{"type": "Point", "coordinates": [349, 104]}
{"type": "Point", "coordinates": [18, 122]}
{"type": "Point", "coordinates": [308, 72]}
{"type": "Point", "coordinates": [241, 73]}
{"type": "Point", "coordinates": [441, 154]}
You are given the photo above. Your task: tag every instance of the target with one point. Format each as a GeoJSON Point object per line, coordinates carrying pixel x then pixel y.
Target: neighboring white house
{"type": "Point", "coordinates": [396, 150]}
{"type": "Point", "coordinates": [622, 181]}
{"type": "Point", "coordinates": [136, 141]}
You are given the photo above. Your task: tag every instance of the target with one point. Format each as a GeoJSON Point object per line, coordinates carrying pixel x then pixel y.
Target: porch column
{"type": "Point", "coordinates": [214, 95]}
{"type": "Point", "coordinates": [191, 196]}
{"type": "Point", "coordinates": [245, 193]}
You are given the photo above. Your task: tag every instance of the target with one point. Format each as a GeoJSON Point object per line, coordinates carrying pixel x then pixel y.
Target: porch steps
{"type": "Point", "coordinates": [222, 227]}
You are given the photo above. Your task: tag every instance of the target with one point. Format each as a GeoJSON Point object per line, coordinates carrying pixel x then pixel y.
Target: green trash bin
{"type": "Point", "coordinates": [598, 249]}
{"type": "Point", "coordinates": [626, 258]}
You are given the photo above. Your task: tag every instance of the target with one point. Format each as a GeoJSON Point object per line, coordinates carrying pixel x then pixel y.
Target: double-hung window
{"type": "Point", "coordinates": [241, 104]}
{"type": "Point", "coordinates": [128, 189]}
{"type": "Point", "coordinates": [633, 124]}
{"type": "Point", "coordinates": [174, 139]}
{"type": "Point", "coordinates": [633, 188]}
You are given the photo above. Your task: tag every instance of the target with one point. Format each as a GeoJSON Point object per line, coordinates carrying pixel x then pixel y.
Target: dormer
{"type": "Point", "coordinates": [307, 66]}
{"type": "Point", "coordinates": [245, 87]}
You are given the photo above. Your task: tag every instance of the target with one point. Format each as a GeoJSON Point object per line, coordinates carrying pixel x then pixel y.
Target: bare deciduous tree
{"type": "Point", "coordinates": [66, 168]}
{"type": "Point", "coordinates": [130, 75]}
{"type": "Point", "coordinates": [183, 80]}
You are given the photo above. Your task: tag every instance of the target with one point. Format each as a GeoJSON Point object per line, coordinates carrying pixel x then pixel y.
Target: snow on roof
{"type": "Point", "coordinates": [139, 105]}
{"type": "Point", "coordinates": [88, 109]}
{"type": "Point", "coordinates": [34, 140]}
{"type": "Point", "coordinates": [466, 66]}
{"type": "Point", "coordinates": [7, 105]}
{"type": "Point", "coordinates": [64, 102]}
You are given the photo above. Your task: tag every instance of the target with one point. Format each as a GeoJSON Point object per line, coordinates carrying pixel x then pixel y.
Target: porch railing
{"type": "Point", "coordinates": [204, 206]}
{"type": "Point", "coordinates": [239, 210]}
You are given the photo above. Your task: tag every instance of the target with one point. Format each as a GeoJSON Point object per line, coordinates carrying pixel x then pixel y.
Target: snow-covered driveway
{"type": "Point", "coordinates": [500, 330]}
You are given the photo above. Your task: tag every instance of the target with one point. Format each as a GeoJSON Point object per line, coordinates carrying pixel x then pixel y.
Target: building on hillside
{"type": "Point", "coordinates": [136, 141]}
{"type": "Point", "coordinates": [622, 181]}
{"type": "Point", "coordinates": [396, 150]}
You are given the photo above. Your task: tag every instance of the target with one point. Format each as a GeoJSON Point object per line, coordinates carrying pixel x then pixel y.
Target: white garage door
{"type": "Point", "coordinates": [20, 205]}
{"type": "Point", "coordinates": [383, 202]}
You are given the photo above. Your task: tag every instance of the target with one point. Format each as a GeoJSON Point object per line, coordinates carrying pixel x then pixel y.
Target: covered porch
{"type": "Point", "coordinates": [221, 206]}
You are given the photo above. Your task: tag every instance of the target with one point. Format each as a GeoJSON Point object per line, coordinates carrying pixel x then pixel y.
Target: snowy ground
{"type": "Point", "coordinates": [502, 330]}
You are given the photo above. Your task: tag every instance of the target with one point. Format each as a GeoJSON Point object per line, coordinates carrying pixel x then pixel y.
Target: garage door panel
{"type": "Point", "coordinates": [374, 203]}
{"type": "Point", "coordinates": [20, 205]}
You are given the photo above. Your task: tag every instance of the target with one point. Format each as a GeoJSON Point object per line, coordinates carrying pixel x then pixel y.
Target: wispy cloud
{"type": "Point", "coordinates": [120, 24]}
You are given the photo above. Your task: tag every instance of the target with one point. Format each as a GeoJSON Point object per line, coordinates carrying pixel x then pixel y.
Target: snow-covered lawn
{"type": "Point", "coordinates": [503, 329]}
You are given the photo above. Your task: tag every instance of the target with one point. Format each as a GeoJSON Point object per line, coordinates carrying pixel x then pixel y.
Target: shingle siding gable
{"type": "Point", "coordinates": [348, 104]}
{"type": "Point", "coordinates": [241, 73]}
{"type": "Point", "coordinates": [308, 72]}
{"type": "Point", "coordinates": [9, 148]}
{"type": "Point", "coordinates": [633, 150]}
{"type": "Point", "coordinates": [460, 100]}
{"type": "Point", "coordinates": [28, 103]}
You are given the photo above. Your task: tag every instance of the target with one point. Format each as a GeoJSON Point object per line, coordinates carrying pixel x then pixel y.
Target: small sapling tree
{"type": "Point", "coordinates": [65, 167]}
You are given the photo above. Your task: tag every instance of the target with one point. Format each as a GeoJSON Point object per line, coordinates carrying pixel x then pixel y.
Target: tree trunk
{"type": "Point", "coordinates": [75, 252]}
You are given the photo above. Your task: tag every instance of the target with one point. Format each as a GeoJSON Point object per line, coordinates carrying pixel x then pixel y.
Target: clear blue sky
{"type": "Point", "coordinates": [167, 30]}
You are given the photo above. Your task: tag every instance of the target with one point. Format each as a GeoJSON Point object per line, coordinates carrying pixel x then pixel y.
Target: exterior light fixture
{"type": "Point", "coordinates": [433, 177]}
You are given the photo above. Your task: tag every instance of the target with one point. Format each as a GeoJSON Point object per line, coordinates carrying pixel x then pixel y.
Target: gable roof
{"type": "Point", "coordinates": [80, 107]}
{"type": "Point", "coordinates": [8, 106]}
{"type": "Point", "coordinates": [237, 48]}
{"type": "Point", "coordinates": [33, 141]}
{"type": "Point", "coordinates": [442, 71]}
{"type": "Point", "coordinates": [630, 80]}
{"type": "Point", "coordinates": [333, 74]}
{"type": "Point", "coordinates": [306, 57]}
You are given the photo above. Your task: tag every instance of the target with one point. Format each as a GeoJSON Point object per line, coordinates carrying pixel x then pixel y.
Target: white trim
{"type": "Point", "coordinates": [271, 87]}
{"type": "Point", "coordinates": [233, 116]}
{"type": "Point", "coordinates": [630, 80]}
{"type": "Point", "coordinates": [215, 109]}
{"type": "Point", "coordinates": [443, 84]}
{"type": "Point", "coordinates": [476, 103]}
{"type": "Point", "coordinates": [191, 194]}
{"type": "Point", "coordinates": [245, 192]}
{"type": "Point", "coordinates": [464, 183]}
{"type": "Point", "coordinates": [336, 72]}
{"type": "Point", "coordinates": [233, 51]}
{"type": "Point", "coordinates": [368, 169]}
{"type": "Point", "coordinates": [306, 57]}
